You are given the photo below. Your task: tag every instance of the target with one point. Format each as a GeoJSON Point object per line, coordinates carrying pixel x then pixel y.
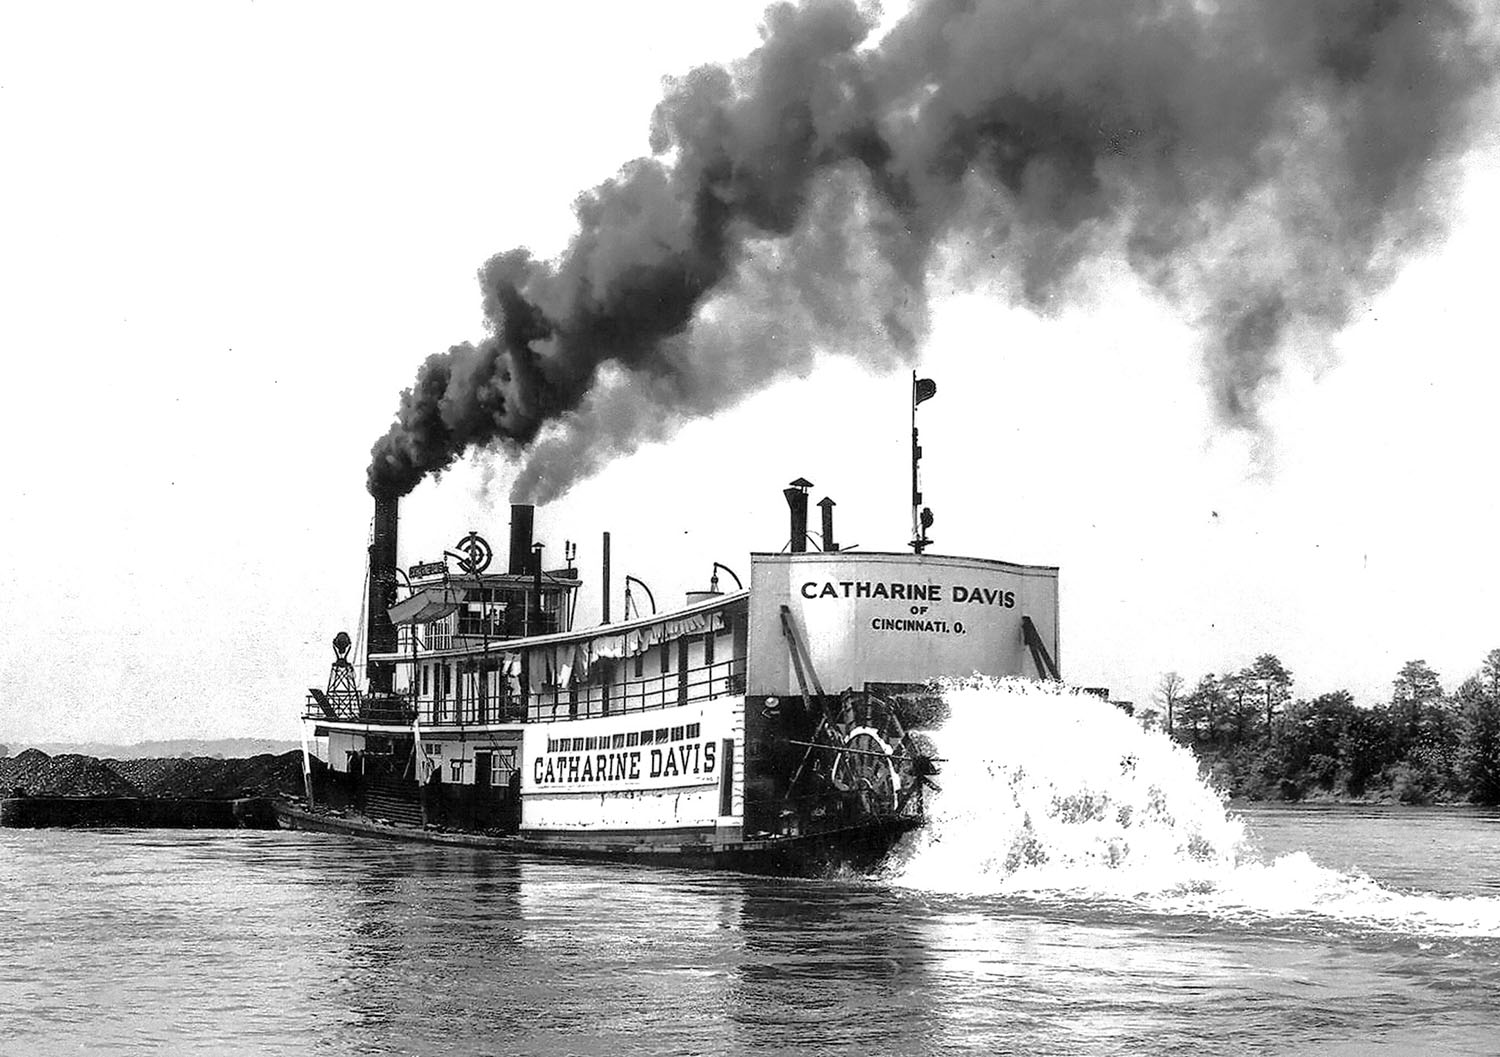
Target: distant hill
{"type": "Point", "coordinates": [228, 748]}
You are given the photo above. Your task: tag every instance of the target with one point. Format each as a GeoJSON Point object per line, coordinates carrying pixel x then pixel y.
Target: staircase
{"type": "Point", "coordinates": [392, 800]}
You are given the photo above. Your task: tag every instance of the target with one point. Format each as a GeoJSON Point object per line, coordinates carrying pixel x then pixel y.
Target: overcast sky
{"type": "Point", "coordinates": [231, 233]}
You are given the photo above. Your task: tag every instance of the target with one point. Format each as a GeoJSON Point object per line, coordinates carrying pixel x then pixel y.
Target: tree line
{"type": "Point", "coordinates": [1258, 741]}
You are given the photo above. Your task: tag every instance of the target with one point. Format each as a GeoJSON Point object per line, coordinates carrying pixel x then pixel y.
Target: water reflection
{"type": "Point", "coordinates": [831, 967]}
{"type": "Point", "coordinates": [476, 952]}
{"type": "Point", "coordinates": [135, 943]}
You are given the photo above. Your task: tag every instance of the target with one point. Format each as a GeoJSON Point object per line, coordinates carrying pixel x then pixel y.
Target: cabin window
{"type": "Point", "coordinates": [662, 734]}
{"type": "Point", "coordinates": [676, 733]}
{"type": "Point", "coordinates": [617, 742]}
{"type": "Point", "coordinates": [666, 659]}
{"type": "Point", "coordinates": [708, 648]}
{"type": "Point", "coordinates": [692, 730]}
{"type": "Point", "coordinates": [458, 770]}
{"type": "Point", "coordinates": [632, 739]}
{"type": "Point", "coordinates": [640, 664]}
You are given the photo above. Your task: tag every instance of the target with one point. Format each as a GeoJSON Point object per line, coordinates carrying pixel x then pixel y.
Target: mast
{"type": "Point", "coordinates": [921, 517]}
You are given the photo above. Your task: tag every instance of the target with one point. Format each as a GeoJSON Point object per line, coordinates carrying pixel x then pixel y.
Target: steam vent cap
{"type": "Point", "coordinates": [802, 482]}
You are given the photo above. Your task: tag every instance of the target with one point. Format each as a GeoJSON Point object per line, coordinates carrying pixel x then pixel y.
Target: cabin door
{"type": "Point", "coordinates": [482, 766]}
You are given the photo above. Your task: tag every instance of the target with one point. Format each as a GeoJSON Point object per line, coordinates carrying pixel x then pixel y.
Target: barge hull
{"type": "Point", "coordinates": [811, 854]}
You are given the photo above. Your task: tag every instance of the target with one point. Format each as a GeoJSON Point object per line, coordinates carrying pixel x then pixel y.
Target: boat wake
{"type": "Point", "coordinates": [1055, 795]}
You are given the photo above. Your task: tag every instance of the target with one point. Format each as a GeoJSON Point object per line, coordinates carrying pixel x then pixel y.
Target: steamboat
{"type": "Point", "coordinates": [772, 726]}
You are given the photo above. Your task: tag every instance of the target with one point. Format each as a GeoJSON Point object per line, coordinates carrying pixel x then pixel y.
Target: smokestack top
{"type": "Point", "coordinates": [522, 523]}
{"type": "Point", "coordinates": [796, 501]}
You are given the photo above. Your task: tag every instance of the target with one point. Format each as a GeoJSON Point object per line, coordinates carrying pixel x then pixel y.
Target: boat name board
{"type": "Point", "coordinates": [963, 594]}
{"type": "Point", "coordinates": [891, 618]}
{"type": "Point", "coordinates": [688, 763]}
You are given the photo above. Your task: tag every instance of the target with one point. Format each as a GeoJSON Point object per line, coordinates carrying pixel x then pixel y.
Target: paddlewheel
{"type": "Point", "coordinates": [865, 754]}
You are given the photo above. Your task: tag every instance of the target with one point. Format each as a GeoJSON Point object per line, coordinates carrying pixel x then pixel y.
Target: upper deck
{"type": "Point", "coordinates": [865, 620]}
{"type": "Point", "coordinates": [691, 654]}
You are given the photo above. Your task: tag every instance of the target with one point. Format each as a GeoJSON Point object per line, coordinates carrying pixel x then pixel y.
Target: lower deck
{"type": "Point", "coordinates": [858, 847]}
{"type": "Point", "coordinates": [676, 771]}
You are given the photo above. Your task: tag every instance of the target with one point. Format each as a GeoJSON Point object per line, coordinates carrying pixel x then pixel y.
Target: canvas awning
{"type": "Point", "coordinates": [426, 605]}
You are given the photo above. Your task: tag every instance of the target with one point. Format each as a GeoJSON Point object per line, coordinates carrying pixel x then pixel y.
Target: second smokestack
{"type": "Point", "coordinates": [796, 501]}
{"type": "Point", "coordinates": [522, 521]}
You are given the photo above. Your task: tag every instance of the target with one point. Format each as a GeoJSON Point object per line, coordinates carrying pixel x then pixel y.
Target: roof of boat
{"type": "Point", "coordinates": [598, 631]}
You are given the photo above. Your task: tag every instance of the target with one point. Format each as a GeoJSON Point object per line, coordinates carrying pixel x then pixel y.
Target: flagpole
{"type": "Point", "coordinates": [916, 498]}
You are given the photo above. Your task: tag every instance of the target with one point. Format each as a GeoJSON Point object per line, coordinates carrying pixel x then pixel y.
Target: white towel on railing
{"type": "Point", "coordinates": [563, 662]}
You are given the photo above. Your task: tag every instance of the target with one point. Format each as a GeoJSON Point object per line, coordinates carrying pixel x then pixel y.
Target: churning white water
{"type": "Point", "coordinates": [1050, 793]}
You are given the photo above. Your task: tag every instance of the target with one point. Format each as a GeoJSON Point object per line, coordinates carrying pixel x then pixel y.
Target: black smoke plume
{"type": "Point", "coordinates": [1263, 164]}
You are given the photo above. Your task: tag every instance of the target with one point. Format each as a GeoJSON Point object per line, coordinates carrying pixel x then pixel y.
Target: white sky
{"type": "Point", "coordinates": [231, 232]}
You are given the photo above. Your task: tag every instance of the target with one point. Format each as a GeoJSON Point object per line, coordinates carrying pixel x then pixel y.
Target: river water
{"type": "Point", "coordinates": [1024, 925]}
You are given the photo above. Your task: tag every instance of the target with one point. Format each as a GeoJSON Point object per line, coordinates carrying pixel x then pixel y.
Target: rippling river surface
{"type": "Point", "coordinates": [133, 942]}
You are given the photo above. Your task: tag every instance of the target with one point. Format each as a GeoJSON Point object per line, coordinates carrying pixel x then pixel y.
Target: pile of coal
{"type": "Point", "coordinates": [34, 773]}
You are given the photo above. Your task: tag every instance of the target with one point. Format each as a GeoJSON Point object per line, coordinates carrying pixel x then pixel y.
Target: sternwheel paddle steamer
{"type": "Point", "coordinates": [771, 726]}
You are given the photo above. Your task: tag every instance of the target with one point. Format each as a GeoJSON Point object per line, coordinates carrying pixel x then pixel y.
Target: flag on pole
{"type": "Point", "coordinates": [922, 389]}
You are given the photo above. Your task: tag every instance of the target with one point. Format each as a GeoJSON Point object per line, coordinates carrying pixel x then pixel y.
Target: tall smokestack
{"type": "Point", "coordinates": [604, 586]}
{"type": "Point", "coordinates": [796, 501]}
{"type": "Point", "coordinates": [522, 518]}
{"type": "Point", "coordinates": [380, 633]}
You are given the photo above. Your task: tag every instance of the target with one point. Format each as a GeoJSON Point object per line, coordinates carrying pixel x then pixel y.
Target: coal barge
{"type": "Point", "coordinates": [768, 727]}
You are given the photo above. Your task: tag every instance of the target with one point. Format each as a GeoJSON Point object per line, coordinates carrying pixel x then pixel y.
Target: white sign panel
{"type": "Point", "coordinates": [896, 618]}
{"type": "Point", "coordinates": [670, 748]}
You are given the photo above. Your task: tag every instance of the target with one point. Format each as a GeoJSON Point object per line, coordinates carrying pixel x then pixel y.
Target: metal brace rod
{"type": "Point", "coordinates": [1045, 667]}
{"type": "Point", "coordinates": [864, 752]}
{"type": "Point", "coordinates": [794, 646]}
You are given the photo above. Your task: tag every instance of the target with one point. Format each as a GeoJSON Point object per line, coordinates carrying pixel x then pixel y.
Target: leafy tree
{"type": "Point", "coordinates": [1204, 709]}
{"type": "Point", "coordinates": [1479, 749]}
{"type": "Point", "coordinates": [1424, 730]}
{"type": "Point", "coordinates": [1415, 686]}
{"type": "Point", "coordinates": [1168, 693]}
{"type": "Point", "coordinates": [1436, 751]}
{"type": "Point", "coordinates": [1364, 748]}
{"type": "Point", "coordinates": [1274, 683]}
{"type": "Point", "coordinates": [1489, 673]}
{"type": "Point", "coordinates": [1238, 695]}
{"type": "Point", "coordinates": [1313, 729]}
